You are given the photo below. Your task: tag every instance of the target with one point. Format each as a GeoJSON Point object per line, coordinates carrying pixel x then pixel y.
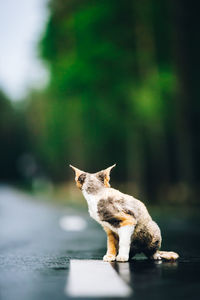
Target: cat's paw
{"type": "Point", "coordinates": [109, 257]}
{"type": "Point", "coordinates": [156, 256]}
{"type": "Point", "coordinates": [122, 258]}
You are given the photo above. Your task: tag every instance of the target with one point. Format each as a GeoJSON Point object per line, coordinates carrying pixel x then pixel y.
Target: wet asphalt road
{"type": "Point", "coordinates": [35, 253]}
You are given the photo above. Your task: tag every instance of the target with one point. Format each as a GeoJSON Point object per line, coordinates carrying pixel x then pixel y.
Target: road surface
{"type": "Point", "coordinates": [42, 248]}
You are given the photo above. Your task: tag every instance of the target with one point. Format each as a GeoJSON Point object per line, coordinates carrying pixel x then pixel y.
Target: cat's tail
{"type": "Point", "coordinates": [168, 255]}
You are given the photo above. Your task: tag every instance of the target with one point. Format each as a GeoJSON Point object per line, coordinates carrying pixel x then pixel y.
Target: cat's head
{"type": "Point", "coordinates": [92, 182]}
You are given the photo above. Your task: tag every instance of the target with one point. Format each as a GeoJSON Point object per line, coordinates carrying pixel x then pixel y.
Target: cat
{"type": "Point", "coordinates": [129, 227]}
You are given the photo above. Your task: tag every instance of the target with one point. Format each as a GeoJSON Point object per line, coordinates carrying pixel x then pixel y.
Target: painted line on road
{"type": "Point", "coordinates": [95, 278]}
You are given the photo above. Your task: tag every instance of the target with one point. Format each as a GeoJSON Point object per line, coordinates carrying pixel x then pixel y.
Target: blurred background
{"type": "Point", "coordinates": [94, 83]}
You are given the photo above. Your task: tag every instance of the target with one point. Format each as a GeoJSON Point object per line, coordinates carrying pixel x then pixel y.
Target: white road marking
{"type": "Point", "coordinates": [95, 278]}
{"type": "Point", "coordinates": [72, 223]}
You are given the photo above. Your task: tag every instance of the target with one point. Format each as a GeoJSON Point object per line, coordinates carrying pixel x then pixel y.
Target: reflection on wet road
{"type": "Point", "coordinates": [35, 254]}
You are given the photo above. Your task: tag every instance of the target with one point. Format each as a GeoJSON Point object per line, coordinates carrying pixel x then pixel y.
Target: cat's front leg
{"type": "Point", "coordinates": [111, 246]}
{"type": "Point", "coordinates": [125, 233]}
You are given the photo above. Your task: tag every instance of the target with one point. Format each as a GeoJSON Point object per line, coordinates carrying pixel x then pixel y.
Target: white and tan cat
{"type": "Point", "coordinates": [129, 227]}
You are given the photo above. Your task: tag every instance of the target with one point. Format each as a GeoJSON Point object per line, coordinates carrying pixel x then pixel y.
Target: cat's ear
{"type": "Point", "coordinates": [79, 176]}
{"type": "Point", "coordinates": [105, 175]}
{"type": "Point", "coordinates": [77, 172]}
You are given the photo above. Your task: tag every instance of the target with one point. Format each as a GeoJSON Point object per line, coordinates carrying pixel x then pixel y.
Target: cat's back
{"type": "Point", "coordinates": [126, 202]}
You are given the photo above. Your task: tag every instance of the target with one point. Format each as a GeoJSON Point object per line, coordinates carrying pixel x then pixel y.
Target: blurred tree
{"type": "Point", "coordinates": [187, 47]}
{"type": "Point", "coordinates": [13, 137]}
